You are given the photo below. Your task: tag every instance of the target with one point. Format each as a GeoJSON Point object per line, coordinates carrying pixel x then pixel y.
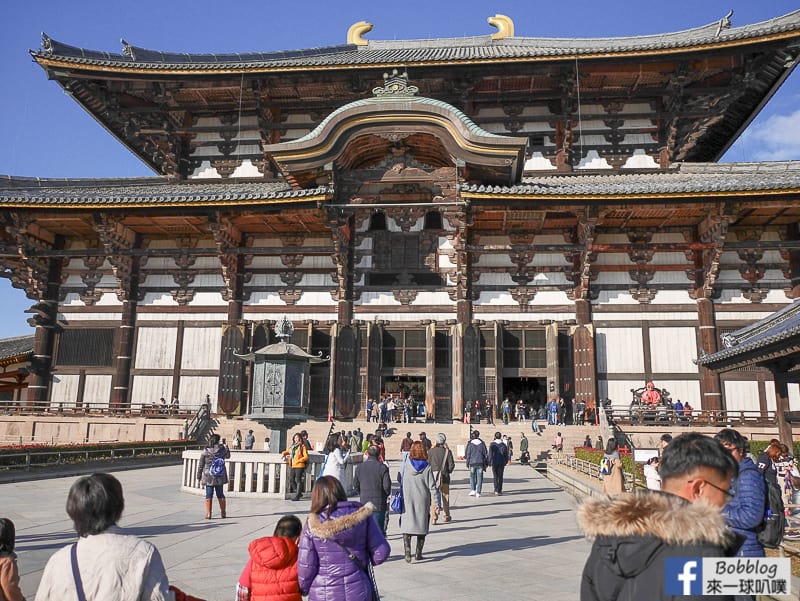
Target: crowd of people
{"type": "Point", "coordinates": [706, 497]}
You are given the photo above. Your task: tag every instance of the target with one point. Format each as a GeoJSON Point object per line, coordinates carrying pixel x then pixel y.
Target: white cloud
{"type": "Point", "coordinates": [776, 139]}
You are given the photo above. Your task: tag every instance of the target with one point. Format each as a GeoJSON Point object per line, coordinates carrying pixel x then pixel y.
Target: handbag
{"type": "Point", "coordinates": [397, 501]}
{"type": "Point", "coordinates": [376, 596]}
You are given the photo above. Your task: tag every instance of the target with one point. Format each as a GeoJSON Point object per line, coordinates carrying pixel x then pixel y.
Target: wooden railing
{"type": "Point", "coordinates": [659, 416]}
{"type": "Point", "coordinates": [147, 410]}
{"type": "Point", "coordinates": [260, 474]}
{"type": "Point", "coordinates": [592, 469]}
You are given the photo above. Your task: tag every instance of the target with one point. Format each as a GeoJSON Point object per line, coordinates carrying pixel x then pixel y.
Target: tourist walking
{"type": "Point", "coordinates": [405, 446]}
{"type": "Point", "coordinates": [523, 449]}
{"type": "Point", "coordinates": [744, 513]}
{"type": "Point", "coordinates": [628, 558]}
{"type": "Point", "coordinates": [614, 480]}
{"type": "Point", "coordinates": [651, 475]}
{"type": "Point", "coordinates": [297, 454]}
{"type": "Point", "coordinates": [440, 458]}
{"type": "Point", "coordinates": [271, 571]}
{"type": "Point", "coordinates": [477, 458]}
{"type": "Point", "coordinates": [498, 458]}
{"type": "Point", "coordinates": [339, 541]}
{"type": "Point", "coordinates": [419, 491]}
{"type": "Point", "coordinates": [249, 441]}
{"type": "Point", "coordinates": [373, 484]}
{"type": "Point", "coordinates": [108, 563]}
{"type": "Point", "coordinates": [336, 458]}
{"type": "Point", "coordinates": [213, 474]}
{"type": "Point", "coordinates": [9, 571]}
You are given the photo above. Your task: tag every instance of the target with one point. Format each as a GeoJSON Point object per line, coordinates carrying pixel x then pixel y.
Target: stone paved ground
{"type": "Point", "coordinates": [524, 544]}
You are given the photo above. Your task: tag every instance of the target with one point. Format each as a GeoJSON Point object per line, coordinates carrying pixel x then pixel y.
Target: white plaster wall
{"type": "Point", "coordinates": [193, 391]}
{"type": "Point", "coordinates": [64, 390]}
{"type": "Point", "coordinates": [433, 298]}
{"type": "Point", "coordinates": [673, 297]}
{"type": "Point", "coordinates": [378, 298]}
{"type": "Point", "coordinates": [72, 319]}
{"type": "Point", "coordinates": [144, 318]}
{"type": "Point", "coordinates": [685, 390]}
{"type": "Point", "coordinates": [161, 280]}
{"type": "Point", "coordinates": [524, 317]}
{"type": "Point", "coordinates": [206, 298]}
{"type": "Point", "coordinates": [97, 390]}
{"type": "Point", "coordinates": [553, 297]}
{"type": "Point", "coordinates": [640, 160]}
{"type": "Point", "coordinates": [201, 348]}
{"type": "Point", "coordinates": [413, 318]}
{"type": "Point", "coordinates": [147, 390]}
{"type": "Point", "coordinates": [316, 298]}
{"type": "Point", "coordinates": [317, 279]}
{"type": "Point", "coordinates": [672, 350]}
{"type": "Point", "coordinates": [794, 396]}
{"type": "Point", "coordinates": [494, 298]}
{"type": "Point", "coordinates": [155, 348]}
{"type": "Point", "coordinates": [599, 315]}
{"type": "Point", "coordinates": [615, 297]}
{"type": "Point", "coordinates": [266, 279]}
{"type": "Point", "coordinates": [537, 162]}
{"type": "Point", "coordinates": [619, 391]}
{"type": "Point", "coordinates": [619, 350]}
{"type": "Point", "coordinates": [747, 313]}
{"type": "Point", "coordinates": [265, 298]}
{"type": "Point", "coordinates": [492, 279]}
{"type": "Point", "coordinates": [741, 396]}
{"type": "Point", "coordinates": [494, 260]}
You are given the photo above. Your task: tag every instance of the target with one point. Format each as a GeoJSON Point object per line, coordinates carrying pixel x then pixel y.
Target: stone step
{"type": "Point", "coordinates": [457, 433]}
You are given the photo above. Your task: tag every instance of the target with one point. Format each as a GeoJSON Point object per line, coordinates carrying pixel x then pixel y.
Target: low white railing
{"type": "Point", "coordinates": [260, 474]}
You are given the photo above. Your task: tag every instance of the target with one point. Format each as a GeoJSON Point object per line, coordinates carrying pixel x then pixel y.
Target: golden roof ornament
{"type": "Point", "coordinates": [356, 31]}
{"type": "Point", "coordinates": [395, 84]}
{"type": "Point", "coordinates": [504, 24]}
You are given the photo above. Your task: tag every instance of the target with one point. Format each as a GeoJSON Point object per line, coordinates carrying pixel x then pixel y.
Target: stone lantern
{"type": "Point", "coordinates": [280, 394]}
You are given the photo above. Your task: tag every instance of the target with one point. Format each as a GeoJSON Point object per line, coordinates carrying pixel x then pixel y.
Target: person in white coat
{"type": "Point", "coordinates": [651, 474]}
{"type": "Point", "coordinates": [336, 456]}
{"type": "Point", "coordinates": [110, 564]}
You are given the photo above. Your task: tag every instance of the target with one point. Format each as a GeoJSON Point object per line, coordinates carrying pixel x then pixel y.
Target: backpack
{"type": "Point", "coordinates": [605, 466]}
{"type": "Point", "coordinates": [771, 534]}
{"type": "Point", "coordinates": [217, 468]}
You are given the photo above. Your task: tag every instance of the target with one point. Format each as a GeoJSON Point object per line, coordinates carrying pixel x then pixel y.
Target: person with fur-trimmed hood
{"type": "Point", "coordinates": [634, 534]}
{"type": "Point", "coordinates": [339, 540]}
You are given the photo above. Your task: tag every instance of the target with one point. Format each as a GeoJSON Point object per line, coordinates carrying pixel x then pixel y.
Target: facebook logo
{"type": "Point", "coordinates": [683, 576]}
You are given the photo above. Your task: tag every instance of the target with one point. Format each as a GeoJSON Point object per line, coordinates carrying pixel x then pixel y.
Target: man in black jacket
{"type": "Point", "coordinates": [374, 485]}
{"type": "Point", "coordinates": [635, 533]}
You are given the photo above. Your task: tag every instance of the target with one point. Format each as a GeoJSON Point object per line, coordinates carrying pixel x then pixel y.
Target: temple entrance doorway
{"type": "Point", "coordinates": [406, 387]}
{"type": "Point", "coordinates": [532, 391]}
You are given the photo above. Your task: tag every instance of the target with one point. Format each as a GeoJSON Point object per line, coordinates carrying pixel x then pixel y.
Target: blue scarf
{"type": "Point", "coordinates": [418, 464]}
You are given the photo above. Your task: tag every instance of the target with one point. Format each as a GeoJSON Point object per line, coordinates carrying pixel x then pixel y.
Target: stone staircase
{"type": "Point", "coordinates": [456, 433]}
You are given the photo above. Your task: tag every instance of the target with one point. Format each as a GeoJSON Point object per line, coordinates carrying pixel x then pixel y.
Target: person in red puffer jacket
{"type": "Point", "coordinates": [271, 572]}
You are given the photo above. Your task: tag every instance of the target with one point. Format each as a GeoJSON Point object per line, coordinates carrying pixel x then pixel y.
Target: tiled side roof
{"type": "Point", "coordinates": [778, 327]}
{"type": "Point", "coordinates": [18, 347]}
{"type": "Point", "coordinates": [142, 191]}
{"type": "Point", "coordinates": [682, 178]}
{"type": "Point", "coordinates": [481, 48]}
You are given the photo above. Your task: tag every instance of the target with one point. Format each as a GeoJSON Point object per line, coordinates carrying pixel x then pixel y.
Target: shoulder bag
{"type": "Point", "coordinates": [397, 501]}
{"type": "Point", "coordinates": [376, 596]}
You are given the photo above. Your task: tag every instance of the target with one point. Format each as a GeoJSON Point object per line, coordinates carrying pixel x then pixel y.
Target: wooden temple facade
{"type": "Point", "coordinates": [462, 219]}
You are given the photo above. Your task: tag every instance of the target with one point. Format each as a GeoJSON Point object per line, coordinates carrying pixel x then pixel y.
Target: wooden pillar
{"type": "Point", "coordinates": [374, 360]}
{"type": "Point", "coordinates": [551, 346]}
{"type": "Point", "coordinates": [42, 362]}
{"type": "Point", "coordinates": [430, 369]}
{"type": "Point", "coordinates": [334, 368]}
{"type": "Point", "coordinates": [710, 389]}
{"type": "Point", "coordinates": [585, 370]}
{"type": "Point", "coordinates": [782, 405]}
{"type": "Point", "coordinates": [123, 357]}
{"type": "Point", "coordinates": [457, 370]}
{"type": "Point", "coordinates": [499, 390]}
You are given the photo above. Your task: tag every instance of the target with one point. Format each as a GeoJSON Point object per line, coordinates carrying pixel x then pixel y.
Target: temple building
{"type": "Point", "coordinates": [459, 219]}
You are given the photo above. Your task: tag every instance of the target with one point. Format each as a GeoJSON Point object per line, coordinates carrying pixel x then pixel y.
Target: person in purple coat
{"type": "Point", "coordinates": [337, 529]}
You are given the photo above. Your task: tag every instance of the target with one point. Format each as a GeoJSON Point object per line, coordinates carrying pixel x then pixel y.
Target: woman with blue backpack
{"type": "Point", "coordinates": [212, 473]}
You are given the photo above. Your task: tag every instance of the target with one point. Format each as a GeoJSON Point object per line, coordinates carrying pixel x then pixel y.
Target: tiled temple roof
{"type": "Point", "coordinates": [776, 329]}
{"type": "Point", "coordinates": [450, 50]}
{"type": "Point", "coordinates": [681, 178]}
{"type": "Point", "coordinates": [19, 347]}
{"type": "Point", "coordinates": [146, 191]}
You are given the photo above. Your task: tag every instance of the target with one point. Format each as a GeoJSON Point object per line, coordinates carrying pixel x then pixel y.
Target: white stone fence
{"type": "Point", "coordinates": [259, 474]}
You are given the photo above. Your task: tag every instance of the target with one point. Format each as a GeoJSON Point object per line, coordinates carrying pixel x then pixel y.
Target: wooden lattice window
{"type": "Point", "coordinates": [86, 346]}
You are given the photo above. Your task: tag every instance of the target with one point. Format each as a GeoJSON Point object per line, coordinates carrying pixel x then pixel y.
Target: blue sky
{"type": "Point", "coordinates": [46, 134]}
